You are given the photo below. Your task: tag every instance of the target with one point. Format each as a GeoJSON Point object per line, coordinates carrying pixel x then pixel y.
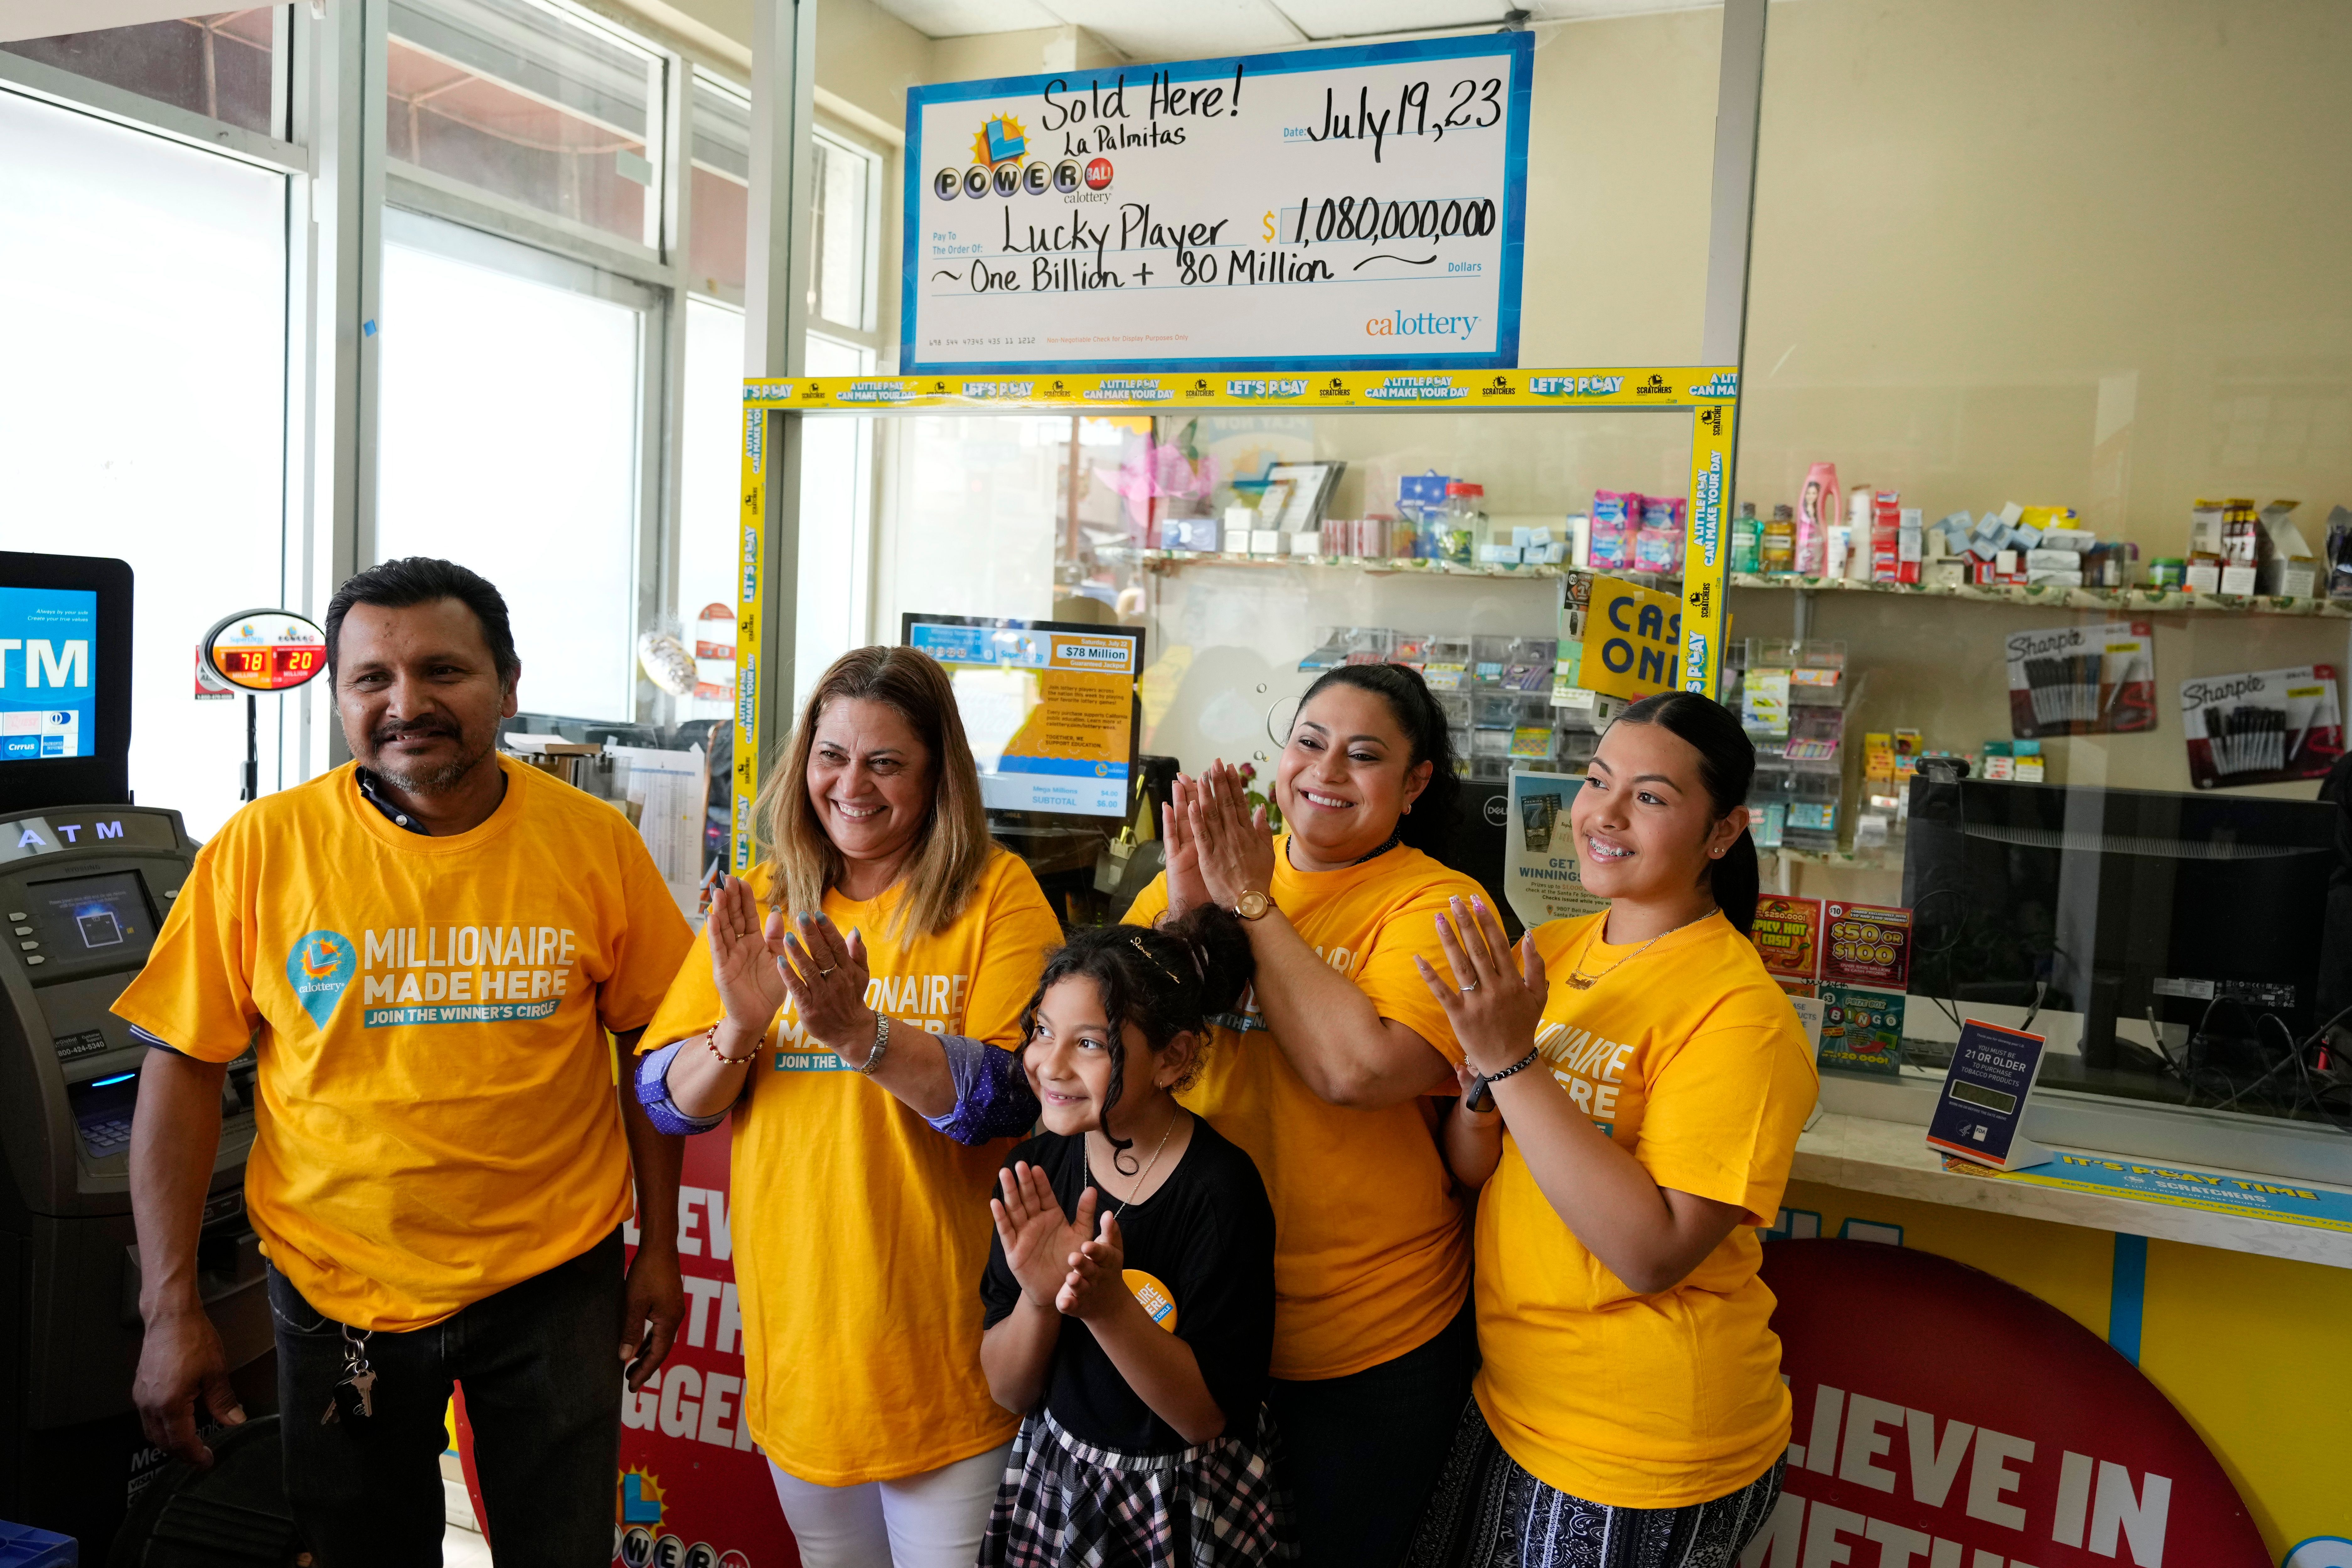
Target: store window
{"type": "Point", "coordinates": [512, 389]}
{"type": "Point", "coordinates": [841, 288]}
{"type": "Point", "coordinates": [532, 101]}
{"type": "Point", "coordinates": [144, 416]}
{"type": "Point", "coordinates": [721, 205]}
{"type": "Point", "coordinates": [838, 459]}
{"type": "Point", "coordinates": [217, 66]}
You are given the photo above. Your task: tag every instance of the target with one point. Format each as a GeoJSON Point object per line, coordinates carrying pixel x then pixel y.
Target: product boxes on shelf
{"type": "Point", "coordinates": [1198, 533]}
{"type": "Point", "coordinates": [2082, 680]}
{"type": "Point", "coordinates": [1861, 1028]}
{"type": "Point", "coordinates": [2265, 726]}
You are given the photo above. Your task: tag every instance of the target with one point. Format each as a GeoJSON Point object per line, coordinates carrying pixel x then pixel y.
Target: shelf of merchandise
{"type": "Point", "coordinates": [2136, 601]}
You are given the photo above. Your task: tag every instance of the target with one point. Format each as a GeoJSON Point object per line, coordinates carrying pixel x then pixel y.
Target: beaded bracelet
{"type": "Point", "coordinates": [1482, 1094]}
{"type": "Point", "coordinates": [710, 1043]}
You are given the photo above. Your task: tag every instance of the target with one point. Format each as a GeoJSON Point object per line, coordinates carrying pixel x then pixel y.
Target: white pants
{"type": "Point", "coordinates": [931, 1520]}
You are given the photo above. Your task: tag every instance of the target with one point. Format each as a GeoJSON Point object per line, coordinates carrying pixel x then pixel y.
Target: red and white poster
{"type": "Point", "coordinates": [1975, 1426]}
{"type": "Point", "coordinates": [694, 1490]}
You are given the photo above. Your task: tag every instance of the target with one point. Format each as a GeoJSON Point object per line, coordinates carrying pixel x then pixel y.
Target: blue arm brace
{"type": "Point", "coordinates": [993, 1094]}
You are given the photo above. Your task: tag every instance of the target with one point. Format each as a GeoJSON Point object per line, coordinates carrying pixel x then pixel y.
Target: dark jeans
{"type": "Point", "coordinates": [542, 1384]}
{"type": "Point", "coordinates": [1366, 1450]}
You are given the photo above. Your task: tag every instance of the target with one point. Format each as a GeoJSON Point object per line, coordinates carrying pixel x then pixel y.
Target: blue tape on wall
{"type": "Point", "coordinates": [2127, 1295]}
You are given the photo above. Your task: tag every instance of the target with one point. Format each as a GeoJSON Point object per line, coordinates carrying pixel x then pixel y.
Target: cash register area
{"type": "Point", "coordinates": [1993, 432]}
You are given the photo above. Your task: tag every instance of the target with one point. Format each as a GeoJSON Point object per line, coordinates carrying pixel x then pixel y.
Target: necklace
{"type": "Point", "coordinates": [1579, 981]}
{"type": "Point", "coordinates": [1388, 844]}
{"type": "Point", "coordinates": [1086, 1162]}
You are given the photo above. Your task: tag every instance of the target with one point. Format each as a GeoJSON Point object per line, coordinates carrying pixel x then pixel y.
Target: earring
{"type": "Point", "coordinates": [1717, 853]}
{"type": "Point", "coordinates": [1408, 808]}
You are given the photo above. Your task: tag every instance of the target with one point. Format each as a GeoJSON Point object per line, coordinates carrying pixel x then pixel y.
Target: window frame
{"type": "Point", "coordinates": [287, 744]}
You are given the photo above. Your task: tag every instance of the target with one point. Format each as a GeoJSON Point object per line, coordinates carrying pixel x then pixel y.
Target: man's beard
{"type": "Point", "coordinates": [435, 780]}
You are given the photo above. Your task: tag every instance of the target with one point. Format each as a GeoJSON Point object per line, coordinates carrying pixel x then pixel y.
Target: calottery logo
{"type": "Point", "coordinates": [320, 969]}
{"type": "Point", "coordinates": [1653, 385]}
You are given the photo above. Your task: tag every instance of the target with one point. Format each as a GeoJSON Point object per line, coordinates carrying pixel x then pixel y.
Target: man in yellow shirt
{"type": "Point", "coordinates": [426, 949]}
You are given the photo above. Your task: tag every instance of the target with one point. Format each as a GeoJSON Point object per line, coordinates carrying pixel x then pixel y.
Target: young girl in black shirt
{"type": "Point", "coordinates": [1130, 1291]}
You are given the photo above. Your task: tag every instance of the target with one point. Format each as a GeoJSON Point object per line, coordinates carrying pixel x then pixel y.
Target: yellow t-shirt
{"type": "Point", "coordinates": [860, 1233]}
{"type": "Point", "coordinates": [438, 1119]}
{"type": "Point", "coordinates": [1370, 1258]}
{"type": "Point", "coordinates": [1691, 1059]}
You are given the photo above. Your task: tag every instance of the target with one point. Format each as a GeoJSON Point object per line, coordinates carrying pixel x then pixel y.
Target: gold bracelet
{"type": "Point", "coordinates": [710, 1043]}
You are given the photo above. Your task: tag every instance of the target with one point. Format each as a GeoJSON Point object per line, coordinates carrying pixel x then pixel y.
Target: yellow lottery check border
{"type": "Point", "coordinates": [1709, 394]}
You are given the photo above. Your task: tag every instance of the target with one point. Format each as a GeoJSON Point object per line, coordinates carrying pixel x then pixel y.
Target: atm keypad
{"type": "Point", "coordinates": [112, 1136]}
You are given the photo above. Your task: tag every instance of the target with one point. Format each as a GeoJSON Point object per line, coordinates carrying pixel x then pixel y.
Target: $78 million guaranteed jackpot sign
{"type": "Point", "coordinates": [1332, 208]}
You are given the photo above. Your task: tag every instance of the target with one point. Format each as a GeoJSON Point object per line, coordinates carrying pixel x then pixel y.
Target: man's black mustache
{"type": "Point", "coordinates": [421, 729]}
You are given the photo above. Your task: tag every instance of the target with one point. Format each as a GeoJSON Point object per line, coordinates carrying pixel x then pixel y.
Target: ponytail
{"type": "Point", "coordinates": [1726, 766]}
{"type": "Point", "coordinates": [1165, 980]}
{"type": "Point", "coordinates": [1737, 878]}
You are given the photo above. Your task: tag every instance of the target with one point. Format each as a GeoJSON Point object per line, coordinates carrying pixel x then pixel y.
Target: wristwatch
{"type": "Point", "coordinates": [1253, 905]}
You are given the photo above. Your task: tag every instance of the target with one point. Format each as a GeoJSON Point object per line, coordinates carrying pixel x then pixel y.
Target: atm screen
{"type": "Point", "coordinates": [93, 922]}
{"type": "Point", "coordinates": [49, 679]}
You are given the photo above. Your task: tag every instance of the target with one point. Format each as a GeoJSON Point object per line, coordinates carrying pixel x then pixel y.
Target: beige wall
{"type": "Point", "coordinates": [2088, 253]}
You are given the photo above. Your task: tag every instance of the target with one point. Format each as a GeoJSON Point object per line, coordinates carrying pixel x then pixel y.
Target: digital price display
{"type": "Point", "coordinates": [267, 651]}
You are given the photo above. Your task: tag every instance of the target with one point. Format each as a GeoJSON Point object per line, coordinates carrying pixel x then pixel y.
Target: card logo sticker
{"type": "Point", "coordinates": [320, 969]}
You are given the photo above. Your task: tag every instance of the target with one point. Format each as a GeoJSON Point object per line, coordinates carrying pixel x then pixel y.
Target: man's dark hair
{"type": "Point", "coordinates": [420, 580]}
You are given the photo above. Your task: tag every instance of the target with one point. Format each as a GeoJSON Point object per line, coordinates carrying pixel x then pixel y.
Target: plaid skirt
{"type": "Point", "coordinates": [1489, 1512]}
{"type": "Point", "coordinates": [1067, 1504]}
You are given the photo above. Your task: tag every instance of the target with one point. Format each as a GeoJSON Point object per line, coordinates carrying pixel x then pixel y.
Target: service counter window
{"type": "Point", "coordinates": [2046, 448]}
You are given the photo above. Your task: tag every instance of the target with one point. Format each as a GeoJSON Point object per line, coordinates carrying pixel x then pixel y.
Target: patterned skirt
{"type": "Point", "coordinates": [1487, 1513]}
{"type": "Point", "coordinates": [1066, 1503]}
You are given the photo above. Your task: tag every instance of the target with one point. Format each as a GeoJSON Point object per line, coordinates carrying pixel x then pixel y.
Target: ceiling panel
{"type": "Point", "coordinates": [1359, 18]}
{"type": "Point", "coordinates": [958, 19]}
{"type": "Point", "coordinates": [1147, 30]}
{"type": "Point", "coordinates": [1197, 29]}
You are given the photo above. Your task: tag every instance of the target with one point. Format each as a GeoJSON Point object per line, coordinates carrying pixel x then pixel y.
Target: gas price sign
{"type": "Point", "coordinates": [265, 650]}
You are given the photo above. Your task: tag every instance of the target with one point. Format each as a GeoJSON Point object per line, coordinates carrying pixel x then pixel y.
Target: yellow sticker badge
{"type": "Point", "coordinates": [1154, 1295]}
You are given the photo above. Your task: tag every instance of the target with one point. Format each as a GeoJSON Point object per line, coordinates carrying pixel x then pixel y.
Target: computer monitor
{"type": "Point", "coordinates": [2196, 910]}
{"type": "Point", "coordinates": [65, 681]}
{"type": "Point", "coordinates": [1051, 709]}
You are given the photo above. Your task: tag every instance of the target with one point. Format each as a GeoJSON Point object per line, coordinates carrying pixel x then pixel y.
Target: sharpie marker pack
{"type": "Point", "coordinates": [2264, 726]}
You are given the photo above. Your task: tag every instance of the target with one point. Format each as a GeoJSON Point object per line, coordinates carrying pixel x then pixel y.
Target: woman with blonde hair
{"type": "Point", "coordinates": [898, 944]}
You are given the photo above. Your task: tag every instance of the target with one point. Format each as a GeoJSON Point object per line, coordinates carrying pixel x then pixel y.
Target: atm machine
{"type": "Point", "coordinates": [86, 879]}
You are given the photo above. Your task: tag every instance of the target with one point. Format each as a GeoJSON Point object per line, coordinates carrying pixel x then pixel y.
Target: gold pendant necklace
{"type": "Point", "coordinates": [1579, 981]}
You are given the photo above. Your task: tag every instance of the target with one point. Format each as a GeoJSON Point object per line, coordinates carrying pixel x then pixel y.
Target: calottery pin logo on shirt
{"type": "Point", "coordinates": [1159, 1303]}
{"type": "Point", "coordinates": [319, 969]}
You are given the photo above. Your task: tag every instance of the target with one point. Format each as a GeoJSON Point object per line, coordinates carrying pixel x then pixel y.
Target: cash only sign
{"type": "Point", "coordinates": [1351, 208]}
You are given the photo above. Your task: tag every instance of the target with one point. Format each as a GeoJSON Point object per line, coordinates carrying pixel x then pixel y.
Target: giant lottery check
{"type": "Point", "coordinates": [1351, 208]}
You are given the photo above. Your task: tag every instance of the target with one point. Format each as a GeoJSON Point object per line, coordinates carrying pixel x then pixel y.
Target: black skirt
{"type": "Point", "coordinates": [1489, 1512]}
{"type": "Point", "coordinates": [1063, 1502]}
